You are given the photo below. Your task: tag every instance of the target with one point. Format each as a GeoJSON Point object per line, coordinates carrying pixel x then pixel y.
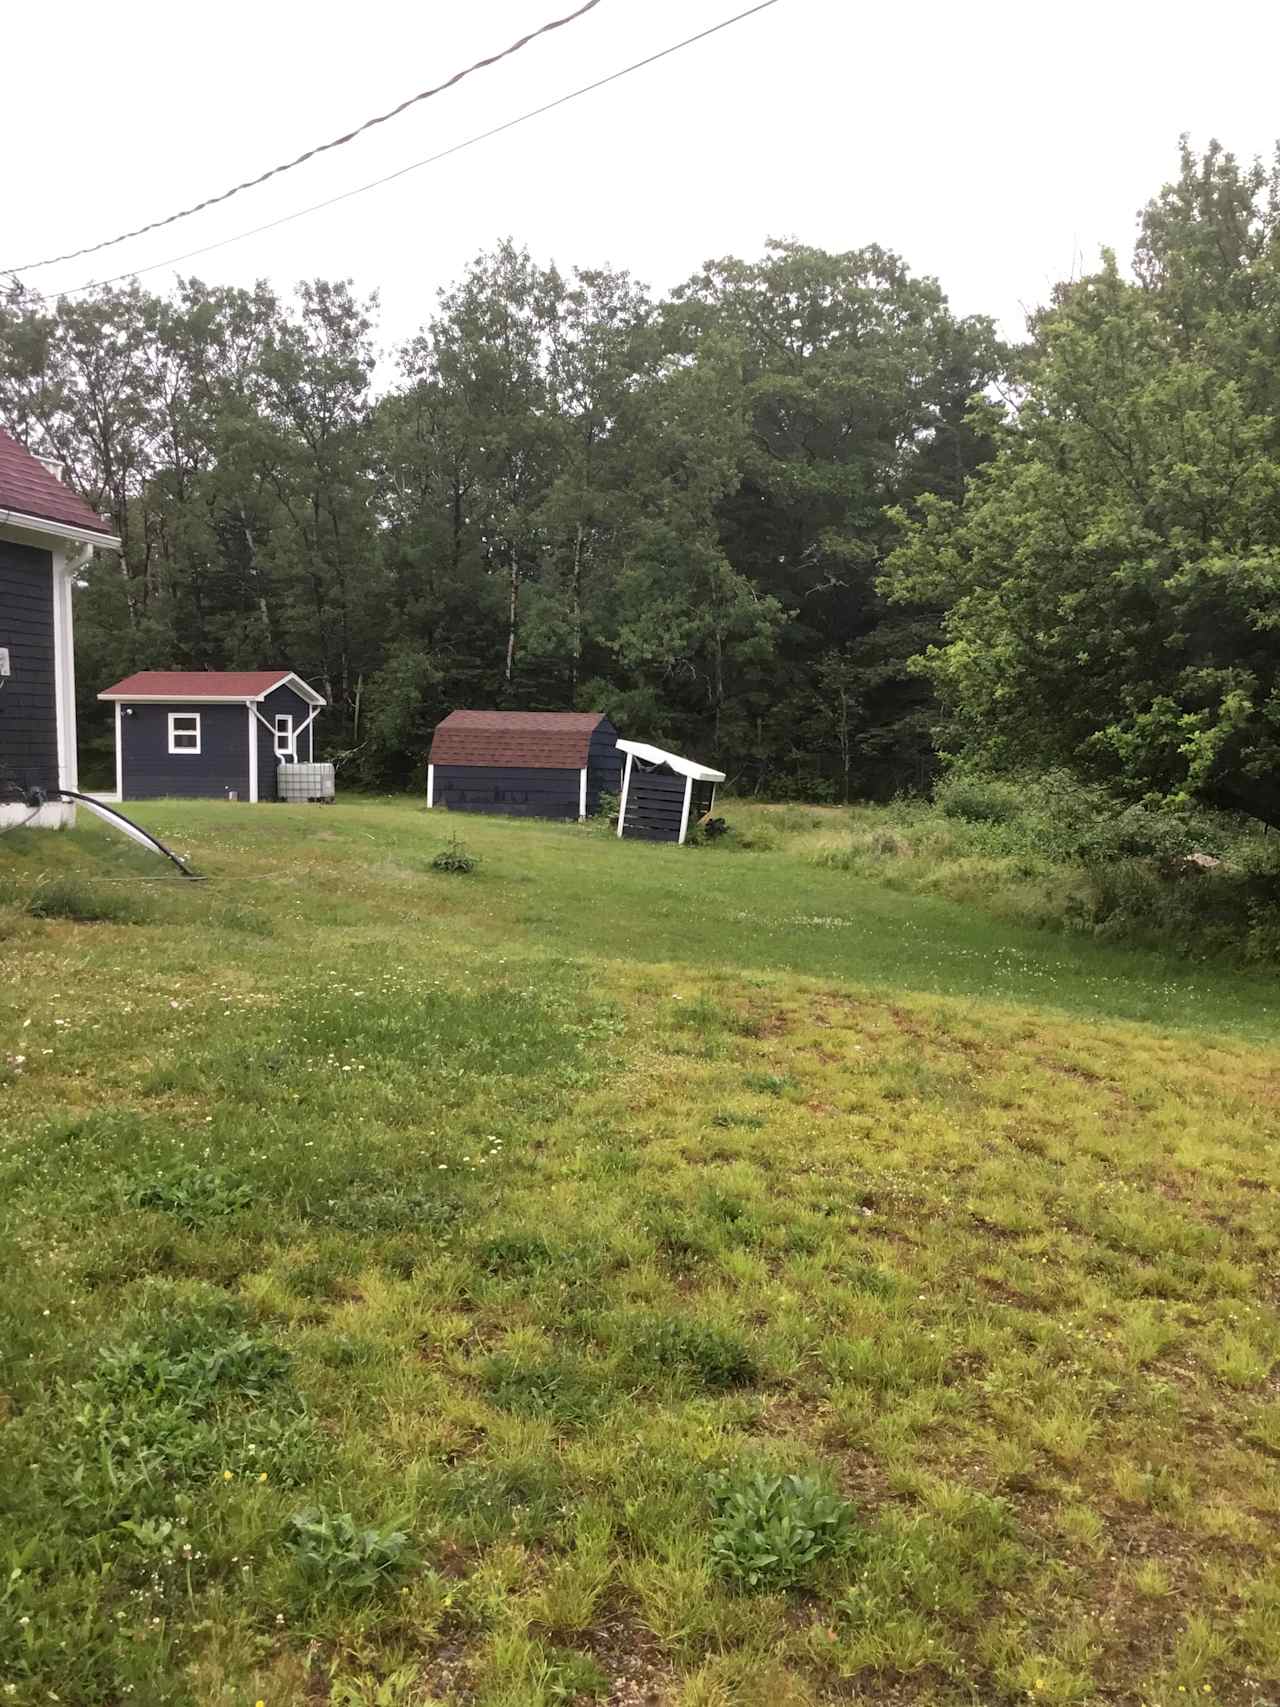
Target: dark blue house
{"type": "Point", "coordinates": [210, 733]}
{"type": "Point", "coordinates": [47, 534]}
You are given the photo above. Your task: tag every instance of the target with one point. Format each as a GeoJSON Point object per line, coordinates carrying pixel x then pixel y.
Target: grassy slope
{"type": "Point", "coordinates": [983, 1222]}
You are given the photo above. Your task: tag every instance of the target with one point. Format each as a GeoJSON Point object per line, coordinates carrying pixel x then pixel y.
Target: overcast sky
{"type": "Point", "coordinates": [994, 144]}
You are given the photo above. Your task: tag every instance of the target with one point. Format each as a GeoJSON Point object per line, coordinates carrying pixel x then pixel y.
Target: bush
{"type": "Point", "coordinates": [772, 1532]}
{"type": "Point", "coordinates": [978, 800]}
{"type": "Point", "coordinates": [455, 858]}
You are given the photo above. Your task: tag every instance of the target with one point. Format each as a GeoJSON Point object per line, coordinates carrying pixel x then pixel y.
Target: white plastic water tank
{"type": "Point", "coordinates": [304, 782]}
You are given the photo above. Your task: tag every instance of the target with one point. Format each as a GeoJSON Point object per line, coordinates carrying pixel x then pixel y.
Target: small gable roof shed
{"type": "Point", "coordinates": [210, 734]}
{"type": "Point", "coordinates": [540, 764]}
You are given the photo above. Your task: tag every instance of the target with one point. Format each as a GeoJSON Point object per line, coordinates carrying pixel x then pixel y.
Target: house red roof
{"type": "Point", "coordinates": [196, 684]}
{"type": "Point", "coordinates": [27, 486]}
{"type": "Point", "coordinates": [524, 740]}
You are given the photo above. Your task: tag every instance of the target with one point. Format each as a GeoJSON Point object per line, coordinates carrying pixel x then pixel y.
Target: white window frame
{"type": "Point", "coordinates": [176, 717]}
{"type": "Point", "coordinates": [288, 751]}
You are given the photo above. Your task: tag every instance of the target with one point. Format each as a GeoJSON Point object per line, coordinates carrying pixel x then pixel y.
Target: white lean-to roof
{"type": "Point", "coordinates": [656, 756]}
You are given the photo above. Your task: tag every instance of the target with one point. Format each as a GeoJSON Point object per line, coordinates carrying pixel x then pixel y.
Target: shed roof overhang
{"type": "Point", "coordinates": [657, 756]}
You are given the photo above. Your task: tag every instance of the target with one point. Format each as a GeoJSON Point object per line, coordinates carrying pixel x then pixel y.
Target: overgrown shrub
{"type": "Point", "coordinates": [978, 800]}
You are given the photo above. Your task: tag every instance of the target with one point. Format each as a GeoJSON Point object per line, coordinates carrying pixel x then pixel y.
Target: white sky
{"type": "Point", "coordinates": [996, 144]}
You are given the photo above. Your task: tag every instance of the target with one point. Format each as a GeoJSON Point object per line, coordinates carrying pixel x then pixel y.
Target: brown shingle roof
{"type": "Point", "coordinates": [195, 684]}
{"type": "Point", "coordinates": [523, 740]}
{"type": "Point", "coordinates": [27, 486]}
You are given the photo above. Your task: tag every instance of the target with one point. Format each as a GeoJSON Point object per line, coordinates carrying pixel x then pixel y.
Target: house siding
{"type": "Point", "coordinates": [527, 793]}
{"type": "Point", "coordinates": [150, 769]}
{"type": "Point", "coordinates": [282, 701]}
{"type": "Point", "coordinates": [655, 803]}
{"type": "Point", "coordinates": [604, 764]}
{"type": "Point", "coordinates": [28, 707]}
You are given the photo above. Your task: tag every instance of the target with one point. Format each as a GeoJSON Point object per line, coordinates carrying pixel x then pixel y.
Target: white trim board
{"type": "Point", "coordinates": [58, 530]}
{"type": "Point", "coordinates": [119, 753]}
{"type": "Point", "coordinates": [65, 565]}
{"type": "Point", "coordinates": [253, 714]}
{"type": "Point", "coordinates": [198, 732]}
{"type": "Point", "coordinates": [657, 756]}
{"type": "Point", "coordinates": [582, 792]}
{"type": "Point", "coordinates": [626, 784]}
{"type": "Point", "coordinates": [431, 786]}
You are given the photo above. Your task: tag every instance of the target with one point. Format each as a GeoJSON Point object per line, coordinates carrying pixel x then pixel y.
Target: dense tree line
{"type": "Point", "coordinates": [797, 515]}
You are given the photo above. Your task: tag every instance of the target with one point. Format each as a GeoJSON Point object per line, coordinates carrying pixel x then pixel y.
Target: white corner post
{"type": "Point", "coordinates": [119, 751]}
{"type": "Point", "coordinates": [65, 565]}
{"type": "Point", "coordinates": [582, 792]}
{"type": "Point", "coordinates": [251, 712]}
{"type": "Point", "coordinates": [431, 786]}
{"type": "Point", "coordinates": [626, 784]}
{"type": "Point", "coordinates": [684, 811]}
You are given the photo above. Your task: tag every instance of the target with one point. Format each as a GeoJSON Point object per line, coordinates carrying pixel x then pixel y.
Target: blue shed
{"type": "Point", "coordinates": [210, 733]}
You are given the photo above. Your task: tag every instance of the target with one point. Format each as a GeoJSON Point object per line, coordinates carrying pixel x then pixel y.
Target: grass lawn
{"type": "Point", "coordinates": [623, 1274]}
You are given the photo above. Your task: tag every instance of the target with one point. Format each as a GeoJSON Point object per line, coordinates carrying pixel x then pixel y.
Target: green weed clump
{"type": "Point", "coordinates": [711, 1357]}
{"type": "Point", "coordinates": [454, 858]}
{"type": "Point", "coordinates": [334, 1554]}
{"type": "Point", "coordinates": [773, 1532]}
{"type": "Point", "coordinates": [86, 904]}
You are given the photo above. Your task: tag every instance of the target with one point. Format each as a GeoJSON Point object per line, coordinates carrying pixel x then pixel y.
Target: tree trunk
{"type": "Point", "coordinates": [512, 613]}
{"type": "Point", "coordinates": [575, 597]}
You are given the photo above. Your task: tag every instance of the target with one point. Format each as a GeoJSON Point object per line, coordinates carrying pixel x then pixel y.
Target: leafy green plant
{"type": "Point", "coordinates": [332, 1552]}
{"type": "Point", "coordinates": [772, 1531]}
{"type": "Point", "coordinates": [571, 1676]}
{"type": "Point", "coordinates": [455, 858]}
{"type": "Point", "coordinates": [713, 1357]}
{"type": "Point", "coordinates": [195, 1196]}
{"type": "Point", "coordinates": [242, 1365]}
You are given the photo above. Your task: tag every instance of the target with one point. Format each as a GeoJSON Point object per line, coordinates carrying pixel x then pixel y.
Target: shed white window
{"type": "Point", "coordinates": [184, 731]}
{"type": "Point", "coordinates": [284, 735]}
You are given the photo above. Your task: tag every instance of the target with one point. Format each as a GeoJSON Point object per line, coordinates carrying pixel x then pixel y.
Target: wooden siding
{"type": "Point", "coordinates": [604, 764]}
{"type": "Point", "coordinates": [287, 703]}
{"type": "Point", "coordinates": [151, 770]}
{"type": "Point", "coordinates": [518, 793]}
{"type": "Point", "coordinates": [655, 801]}
{"type": "Point", "coordinates": [28, 709]}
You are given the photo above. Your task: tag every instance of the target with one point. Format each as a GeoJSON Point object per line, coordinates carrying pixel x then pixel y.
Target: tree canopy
{"type": "Point", "coordinates": [1111, 578]}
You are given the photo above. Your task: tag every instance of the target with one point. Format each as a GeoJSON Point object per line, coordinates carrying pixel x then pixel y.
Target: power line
{"type": "Point", "coordinates": [417, 165]}
{"type": "Point", "coordinates": [321, 148]}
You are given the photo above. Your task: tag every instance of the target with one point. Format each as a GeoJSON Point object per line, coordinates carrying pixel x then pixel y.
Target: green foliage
{"type": "Point", "coordinates": [711, 1357]}
{"type": "Point", "coordinates": [335, 1555]}
{"type": "Point", "coordinates": [1111, 578]}
{"type": "Point", "coordinates": [83, 903]}
{"type": "Point", "coordinates": [773, 1531]}
{"type": "Point", "coordinates": [195, 1196]}
{"type": "Point", "coordinates": [455, 858]}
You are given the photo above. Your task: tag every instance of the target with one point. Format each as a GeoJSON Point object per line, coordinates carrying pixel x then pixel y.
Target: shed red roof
{"type": "Point", "coordinates": [27, 486]}
{"type": "Point", "coordinates": [525, 740]}
{"type": "Point", "coordinates": [196, 684]}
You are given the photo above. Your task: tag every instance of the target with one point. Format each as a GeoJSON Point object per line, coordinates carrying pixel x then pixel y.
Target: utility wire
{"type": "Point", "coordinates": [321, 148]}
{"type": "Point", "coordinates": [417, 165]}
